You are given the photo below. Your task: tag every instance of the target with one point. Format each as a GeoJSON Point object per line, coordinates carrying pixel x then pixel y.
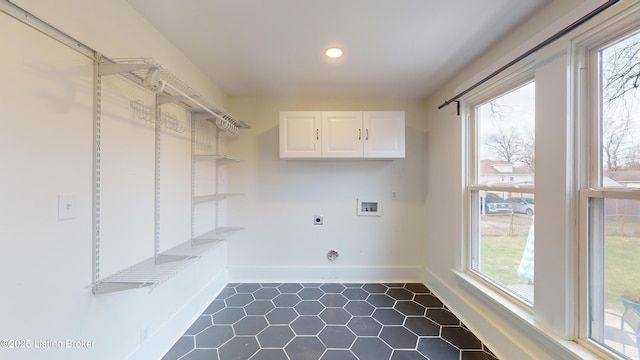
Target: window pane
{"type": "Point", "coordinates": [504, 247]}
{"type": "Point", "coordinates": [506, 138]}
{"type": "Point", "coordinates": [615, 275]}
{"type": "Point", "coordinates": [620, 113]}
{"type": "Point", "coordinates": [502, 231]}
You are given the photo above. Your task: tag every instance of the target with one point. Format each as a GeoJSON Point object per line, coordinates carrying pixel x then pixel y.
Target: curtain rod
{"type": "Point", "coordinates": [546, 42]}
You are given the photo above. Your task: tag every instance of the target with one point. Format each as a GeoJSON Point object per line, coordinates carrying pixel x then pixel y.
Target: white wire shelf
{"type": "Point", "coordinates": [191, 248]}
{"type": "Point", "coordinates": [147, 273]}
{"type": "Point", "coordinates": [220, 159]}
{"type": "Point", "coordinates": [217, 234]}
{"type": "Point", "coordinates": [154, 271]}
{"type": "Point", "coordinates": [153, 76]}
{"type": "Point", "coordinates": [213, 197]}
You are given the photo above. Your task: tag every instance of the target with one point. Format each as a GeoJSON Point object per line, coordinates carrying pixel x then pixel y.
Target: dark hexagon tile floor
{"type": "Point", "coordinates": [330, 321]}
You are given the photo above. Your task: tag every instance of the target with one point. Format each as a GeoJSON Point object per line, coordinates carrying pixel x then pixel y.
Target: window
{"type": "Point", "coordinates": [613, 211]}
{"type": "Point", "coordinates": [501, 184]}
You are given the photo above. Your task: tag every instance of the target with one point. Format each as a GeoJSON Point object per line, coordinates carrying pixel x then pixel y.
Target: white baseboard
{"type": "Point", "coordinates": [306, 274]}
{"type": "Point", "coordinates": [161, 340]}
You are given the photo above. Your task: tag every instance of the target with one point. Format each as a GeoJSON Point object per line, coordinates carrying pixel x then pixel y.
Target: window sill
{"type": "Point", "coordinates": [497, 296]}
{"type": "Point", "coordinates": [523, 318]}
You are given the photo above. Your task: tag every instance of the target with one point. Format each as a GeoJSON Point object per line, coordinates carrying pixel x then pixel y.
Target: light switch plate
{"type": "Point", "coordinates": [66, 207]}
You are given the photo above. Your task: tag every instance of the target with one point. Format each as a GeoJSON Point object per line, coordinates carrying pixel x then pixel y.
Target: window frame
{"type": "Point", "coordinates": [592, 192]}
{"type": "Point", "coordinates": [521, 75]}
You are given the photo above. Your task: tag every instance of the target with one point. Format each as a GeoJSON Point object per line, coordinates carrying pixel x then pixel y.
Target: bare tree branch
{"type": "Point", "coordinates": [507, 145]}
{"type": "Point", "coordinates": [614, 141]}
{"type": "Point", "coordinates": [621, 81]}
{"type": "Point", "coordinates": [622, 71]}
{"type": "Point", "coordinates": [527, 154]}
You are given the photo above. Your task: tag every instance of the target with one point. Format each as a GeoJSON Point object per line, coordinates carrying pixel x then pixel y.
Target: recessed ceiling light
{"type": "Point", "coordinates": [333, 52]}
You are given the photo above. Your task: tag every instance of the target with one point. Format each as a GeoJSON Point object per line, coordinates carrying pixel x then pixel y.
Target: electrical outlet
{"type": "Point", "coordinates": [394, 195]}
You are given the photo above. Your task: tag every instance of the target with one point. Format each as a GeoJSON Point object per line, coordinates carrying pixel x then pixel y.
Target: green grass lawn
{"type": "Point", "coordinates": [501, 246]}
{"type": "Point", "coordinates": [501, 256]}
{"type": "Point", "coordinates": [622, 274]}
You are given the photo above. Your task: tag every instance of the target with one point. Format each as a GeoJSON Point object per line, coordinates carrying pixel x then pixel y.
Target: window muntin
{"type": "Point", "coordinates": [501, 193]}
{"type": "Point", "coordinates": [614, 211]}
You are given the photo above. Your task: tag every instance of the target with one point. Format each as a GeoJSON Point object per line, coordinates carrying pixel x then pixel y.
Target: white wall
{"type": "Point", "coordinates": [116, 30]}
{"type": "Point", "coordinates": [46, 149]}
{"type": "Point", "coordinates": [281, 243]}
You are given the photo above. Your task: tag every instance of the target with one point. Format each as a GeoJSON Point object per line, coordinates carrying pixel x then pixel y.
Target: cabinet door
{"type": "Point", "coordinates": [300, 134]}
{"type": "Point", "coordinates": [342, 134]}
{"type": "Point", "coordinates": [384, 134]}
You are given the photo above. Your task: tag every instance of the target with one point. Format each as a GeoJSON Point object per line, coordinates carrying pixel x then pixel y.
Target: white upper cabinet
{"type": "Point", "coordinates": [342, 134]}
{"type": "Point", "coordinates": [384, 134]}
{"type": "Point", "coordinates": [300, 134]}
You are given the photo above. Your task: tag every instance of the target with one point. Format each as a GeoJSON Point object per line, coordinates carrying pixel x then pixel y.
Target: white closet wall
{"type": "Point", "coordinates": [46, 150]}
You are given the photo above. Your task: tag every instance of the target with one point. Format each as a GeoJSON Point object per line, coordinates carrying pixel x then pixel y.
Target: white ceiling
{"type": "Point", "coordinates": [403, 48]}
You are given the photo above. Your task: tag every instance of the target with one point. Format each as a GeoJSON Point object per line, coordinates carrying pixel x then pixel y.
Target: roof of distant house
{"type": "Point", "coordinates": [503, 167]}
{"type": "Point", "coordinates": [624, 176]}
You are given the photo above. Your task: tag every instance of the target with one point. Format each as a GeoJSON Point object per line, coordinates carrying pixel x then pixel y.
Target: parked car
{"type": "Point", "coordinates": [494, 204]}
{"type": "Point", "coordinates": [522, 205]}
